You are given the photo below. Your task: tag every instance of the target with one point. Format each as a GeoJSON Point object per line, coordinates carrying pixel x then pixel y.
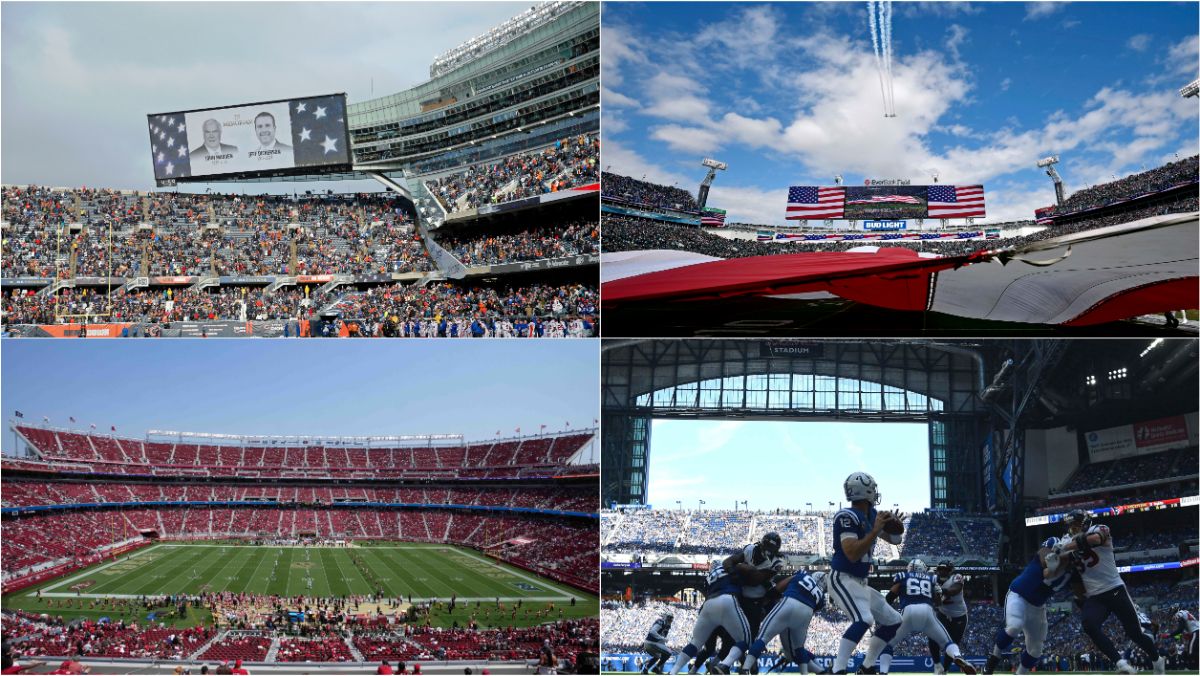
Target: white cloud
{"type": "Point", "coordinates": [938, 9]}
{"type": "Point", "coordinates": [1039, 10]}
{"type": "Point", "coordinates": [1140, 42]}
{"type": "Point", "coordinates": [1182, 56]}
{"type": "Point", "coordinates": [687, 139]}
{"type": "Point", "coordinates": [1005, 84]}
{"type": "Point", "coordinates": [614, 99]}
{"type": "Point", "coordinates": [676, 97]}
{"type": "Point", "coordinates": [956, 36]}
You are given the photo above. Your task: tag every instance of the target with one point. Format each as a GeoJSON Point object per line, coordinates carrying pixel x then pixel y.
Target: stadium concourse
{"type": "Point", "coordinates": [929, 282]}
{"type": "Point", "coordinates": [424, 550]}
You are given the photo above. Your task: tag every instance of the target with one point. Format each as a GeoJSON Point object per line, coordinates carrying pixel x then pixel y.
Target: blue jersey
{"type": "Point", "coordinates": [857, 524]}
{"type": "Point", "coordinates": [806, 589]}
{"type": "Point", "coordinates": [721, 582]}
{"type": "Point", "coordinates": [915, 588]}
{"type": "Point", "coordinates": [1035, 589]}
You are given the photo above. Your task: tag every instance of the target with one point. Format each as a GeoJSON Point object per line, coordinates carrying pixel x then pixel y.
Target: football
{"type": "Point", "coordinates": [893, 527]}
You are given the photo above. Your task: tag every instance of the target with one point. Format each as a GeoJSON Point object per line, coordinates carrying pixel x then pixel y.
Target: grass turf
{"type": "Point", "coordinates": [419, 571]}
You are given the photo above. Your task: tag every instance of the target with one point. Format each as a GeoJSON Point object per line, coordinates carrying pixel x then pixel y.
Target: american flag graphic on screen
{"type": "Point", "coordinates": [950, 201]}
{"type": "Point", "coordinates": [809, 202]}
{"type": "Point", "coordinates": [319, 130]}
{"type": "Point", "coordinates": [168, 144]}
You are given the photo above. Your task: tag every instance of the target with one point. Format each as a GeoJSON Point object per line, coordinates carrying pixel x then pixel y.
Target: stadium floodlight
{"type": "Point", "coordinates": [1191, 89]}
{"type": "Point", "coordinates": [934, 173]}
{"type": "Point", "coordinates": [713, 167]}
{"type": "Point", "coordinates": [1048, 163]}
{"type": "Point", "coordinates": [837, 179]}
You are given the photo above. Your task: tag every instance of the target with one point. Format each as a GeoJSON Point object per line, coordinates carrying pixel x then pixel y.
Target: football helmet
{"type": "Point", "coordinates": [945, 569]}
{"type": "Point", "coordinates": [861, 486]}
{"type": "Point", "coordinates": [1078, 521]}
{"type": "Point", "coordinates": [918, 566]}
{"type": "Point", "coordinates": [770, 544]}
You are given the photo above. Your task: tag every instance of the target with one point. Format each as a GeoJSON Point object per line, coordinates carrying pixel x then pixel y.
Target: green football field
{"type": "Point", "coordinates": [419, 571]}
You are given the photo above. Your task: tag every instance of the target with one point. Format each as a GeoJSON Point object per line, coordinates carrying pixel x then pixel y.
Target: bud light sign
{"type": "Point", "coordinates": [884, 225]}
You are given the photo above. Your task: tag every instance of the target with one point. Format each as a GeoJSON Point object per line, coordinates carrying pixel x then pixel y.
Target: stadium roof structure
{"type": "Point", "coordinates": [1091, 277]}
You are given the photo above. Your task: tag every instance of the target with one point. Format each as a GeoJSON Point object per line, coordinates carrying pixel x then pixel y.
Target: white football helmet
{"type": "Point", "coordinates": [819, 578]}
{"type": "Point", "coordinates": [861, 486]}
{"type": "Point", "coordinates": [917, 566]}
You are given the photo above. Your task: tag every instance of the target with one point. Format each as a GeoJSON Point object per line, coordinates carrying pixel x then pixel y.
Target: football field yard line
{"type": "Point", "coordinates": [174, 562]}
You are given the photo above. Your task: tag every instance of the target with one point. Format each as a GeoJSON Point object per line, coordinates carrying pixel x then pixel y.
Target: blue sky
{"type": "Point", "coordinates": [784, 464]}
{"type": "Point", "coordinates": [80, 78]}
{"type": "Point", "coordinates": [304, 387]}
{"type": "Point", "coordinates": [788, 94]}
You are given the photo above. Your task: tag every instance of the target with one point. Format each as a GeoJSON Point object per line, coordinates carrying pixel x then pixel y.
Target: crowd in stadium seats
{"type": "Point", "coordinates": [556, 241]}
{"type": "Point", "coordinates": [354, 234]}
{"type": "Point", "coordinates": [327, 648]}
{"type": "Point", "coordinates": [81, 447]}
{"type": "Point", "coordinates": [1097, 475]}
{"type": "Point", "coordinates": [720, 532]}
{"type": "Point", "coordinates": [159, 306]}
{"type": "Point", "coordinates": [451, 310]}
{"type": "Point", "coordinates": [647, 194]}
{"type": "Point", "coordinates": [1170, 175]}
{"type": "Point", "coordinates": [46, 635]}
{"type": "Point", "coordinates": [571, 162]}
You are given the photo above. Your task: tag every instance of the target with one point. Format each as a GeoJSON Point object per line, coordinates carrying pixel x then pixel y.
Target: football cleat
{"type": "Point", "coordinates": [990, 666]}
{"type": "Point", "coordinates": [1160, 665]}
{"type": "Point", "coordinates": [939, 669]}
{"type": "Point", "coordinates": [967, 667]}
{"type": "Point", "coordinates": [1125, 667]}
{"type": "Point", "coordinates": [864, 669]}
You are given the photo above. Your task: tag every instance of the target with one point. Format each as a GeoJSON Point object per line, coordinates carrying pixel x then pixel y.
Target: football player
{"type": "Point", "coordinates": [656, 644]}
{"type": "Point", "coordinates": [754, 565]}
{"type": "Point", "coordinates": [1106, 593]}
{"type": "Point", "coordinates": [720, 609]}
{"type": "Point", "coordinates": [855, 531]}
{"type": "Point", "coordinates": [918, 593]}
{"type": "Point", "coordinates": [803, 595]}
{"type": "Point", "coordinates": [952, 613]}
{"type": "Point", "coordinates": [1186, 624]}
{"type": "Point", "coordinates": [1025, 606]}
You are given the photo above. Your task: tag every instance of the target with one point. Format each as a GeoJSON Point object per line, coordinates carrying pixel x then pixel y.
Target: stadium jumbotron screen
{"type": "Point", "coordinates": [306, 135]}
{"type": "Point", "coordinates": [890, 203]}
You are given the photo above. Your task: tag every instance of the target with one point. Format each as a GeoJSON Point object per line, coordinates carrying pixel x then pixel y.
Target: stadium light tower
{"type": "Point", "coordinates": [1192, 89]}
{"type": "Point", "coordinates": [837, 179]}
{"type": "Point", "coordinates": [713, 167]}
{"type": "Point", "coordinates": [1048, 163]}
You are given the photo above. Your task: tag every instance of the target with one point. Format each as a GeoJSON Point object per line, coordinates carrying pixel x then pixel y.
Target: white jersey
{"type": "Point", "coordinates": [956, 605]}
{"type": "Point", "coordinates": [757, 591]}
{"type": "Point", "coordinates": [1099, 565]}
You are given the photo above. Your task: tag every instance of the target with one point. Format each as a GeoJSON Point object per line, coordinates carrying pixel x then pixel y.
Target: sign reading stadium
{"type": "Point", "coordinates": [273, 138]}
{"type": "Point", "coordinates": [884, 202]}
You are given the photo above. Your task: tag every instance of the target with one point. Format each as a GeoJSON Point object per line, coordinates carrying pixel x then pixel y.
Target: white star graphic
{"type": "Point", "coordinates": [305, 134]}
{"type": "Point", "coordinates": [171, 121]}
{"type": "Point", "coordinates": [300, 107]}
{"type": "Point", "coordinates": [182, 150]}
{"type": "Point", "coordinates": [330, 145]}
{"type": "Point", "coordinates": [162, 134]}
{"type": "Point", "coordinates": [153, 148]}
{"type": "Point", "coordinates": [162, 118]}
{"type": "Point", "coordinates": [170, 168]}
{"type": "Point", "coordinates": [319, 112]}
{"type": "Point", "coordinates": [181, 127]}
{"type": "Point", "coordinates": [161, 157]}
{"type": "Point", "coordinates": [171, 141]}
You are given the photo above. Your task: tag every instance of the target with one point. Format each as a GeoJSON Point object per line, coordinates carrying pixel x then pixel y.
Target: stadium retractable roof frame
{"type": "Point", "coordinates": [951, 373]}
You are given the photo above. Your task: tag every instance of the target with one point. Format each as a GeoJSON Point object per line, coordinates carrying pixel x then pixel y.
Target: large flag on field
{"type": "Point", "coordinates": [810, 202]}
{"type": "Point", "coordinates": [950, 201]}
{"type": "Point", "coordinates": [712, 217]}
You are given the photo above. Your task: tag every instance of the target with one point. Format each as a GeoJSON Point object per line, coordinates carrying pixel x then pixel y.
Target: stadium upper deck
{"type": "Point", "coordinates": [524, 85]}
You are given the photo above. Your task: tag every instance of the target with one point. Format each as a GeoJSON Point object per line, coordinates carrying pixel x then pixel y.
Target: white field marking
{"type": "Point", "coordinates": [515, 573]}
{"type": "Point", "coordinates": [93, 571]}
{"type": "Point", "coordinates": [416, 599]}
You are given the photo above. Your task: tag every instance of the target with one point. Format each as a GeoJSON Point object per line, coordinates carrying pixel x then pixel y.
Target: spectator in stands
{"type": "Point", "coordinates": [384, 668]}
